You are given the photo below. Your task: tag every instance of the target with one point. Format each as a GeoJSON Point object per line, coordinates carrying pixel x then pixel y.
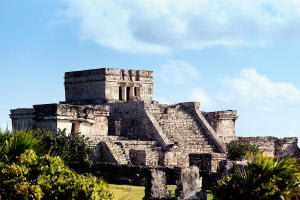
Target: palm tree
{"type": "Point", "coordinates": [14, 143]}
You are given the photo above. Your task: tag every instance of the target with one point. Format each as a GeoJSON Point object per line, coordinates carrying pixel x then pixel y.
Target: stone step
{"type": "Point", "coordinates": [117, 152]}
{"type": "Point", "coordinates": [180, 126]}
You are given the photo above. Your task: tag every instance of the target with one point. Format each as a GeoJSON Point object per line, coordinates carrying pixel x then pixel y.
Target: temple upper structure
{"type": "Point", "coordinates": [107, 85]}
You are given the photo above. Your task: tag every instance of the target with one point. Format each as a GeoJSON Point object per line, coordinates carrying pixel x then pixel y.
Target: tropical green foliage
{"type": "Point", "coordinates": [46, 177]}
{"type": "Point", "coordinates": [237, 150]}
{"type": "Point", "coordinates": [14, 143]}
{"type": "Point", "coordinates": [264, 178]}
{"type": "Point", "coordinates": [73, 148]}
{"type": "Point", "coordinates": [27, 171]}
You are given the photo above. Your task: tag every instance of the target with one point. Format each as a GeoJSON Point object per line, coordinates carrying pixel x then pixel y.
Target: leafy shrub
{"type": "Point", "coordinates": [14, 143]}
{"type": "Point", "coordinates": [263, 178]}
{"type": "Point", "coordinates": [72, 148]}
{"type": "Point", "coordinates": [237, 150]}
{"type": "Point", "coordinates": [46, 177]}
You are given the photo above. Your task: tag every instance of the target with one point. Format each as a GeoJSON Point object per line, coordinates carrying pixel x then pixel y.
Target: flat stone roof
{"type": "Point", "coordinates": [107, 71]}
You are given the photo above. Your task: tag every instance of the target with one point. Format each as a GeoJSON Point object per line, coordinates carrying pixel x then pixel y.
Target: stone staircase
{"type": "Point", "coordinates": [118, 152]}
{"type": "Point", "coordinates": [180, 126]}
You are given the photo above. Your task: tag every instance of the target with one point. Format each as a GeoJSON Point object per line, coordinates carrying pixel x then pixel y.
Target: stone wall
{"type": "Point", "coordinates": [89, 120]}
{"type": "Point", "coordinates": [130, 117]}
{"type": "Point", "coordinates": [85, 87]}
{"type": "Point", "coordinates": [273, 146]}
{"type": "Point", "coordinates": [144, 150]}
{"type": "Point", "coordinates": [175, 156]}
{"type": "Point", "coordinates": [223, 122]}
{"type": "Point", "coordinates": [107, 85]}
{"type": "Point", "coordinates": [122, 123]}
{"type": "Point", "coordinates": [134, 122]}
{"type": "Point", "coordinates": [22, 118]}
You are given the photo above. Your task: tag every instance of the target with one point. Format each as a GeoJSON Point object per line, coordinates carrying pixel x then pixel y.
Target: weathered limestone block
{"type": "Point", "coordinates": [156, 186]}
{"type": "Point", "coordinates": [189, 183]}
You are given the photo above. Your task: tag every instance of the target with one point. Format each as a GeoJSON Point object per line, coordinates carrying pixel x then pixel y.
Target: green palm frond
{"type": "Point", "coordinates": [264, 178]}
{"type": "Point", "coordinates": [14, 143]}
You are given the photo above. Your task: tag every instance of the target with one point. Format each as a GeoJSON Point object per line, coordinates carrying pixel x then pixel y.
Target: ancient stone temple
{"type": "Point", "coordinates": [115, 109]}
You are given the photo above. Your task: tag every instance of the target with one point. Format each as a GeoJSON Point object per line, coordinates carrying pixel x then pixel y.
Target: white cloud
{"type": "Point", "coordinates": [265, 107]}
{"type": "Point", "coordinates": [200, 95]}
{"type": "Point", "coordinates": [163, 25]}
{"type": "Point", "coordinates": [251, 88]}
{"type": "Point", "coordinates": [177, 72]}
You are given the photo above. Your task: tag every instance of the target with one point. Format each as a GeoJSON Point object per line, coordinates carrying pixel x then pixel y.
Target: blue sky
{"type": "Point", "coordinates": [241, 55]}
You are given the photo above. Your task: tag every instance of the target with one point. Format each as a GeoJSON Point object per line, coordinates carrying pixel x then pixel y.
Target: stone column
{"type": "Point", "coordinates": [131, 93]}
{"type": "Point", "coordinates": [138, 92]}
{"type": "Point", "coordinates": [123, 93]}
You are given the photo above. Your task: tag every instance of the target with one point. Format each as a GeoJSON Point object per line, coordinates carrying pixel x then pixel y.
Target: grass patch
{"type": "Point", "coordinates": [129, 192]}
{"type": "Point", "coordinates": [210, 195]}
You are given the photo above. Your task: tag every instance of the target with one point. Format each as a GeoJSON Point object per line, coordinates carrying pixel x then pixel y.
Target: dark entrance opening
{"type": "Point", "coordinates": [135, 91]}
{"type": "Point", "coordinates": [120, 94]}
{"type": "Point", "coordinates": [127, 93]}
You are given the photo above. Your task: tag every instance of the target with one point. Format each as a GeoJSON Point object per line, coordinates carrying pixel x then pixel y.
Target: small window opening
{"type": "Point", "coordinates": [135, 91]}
